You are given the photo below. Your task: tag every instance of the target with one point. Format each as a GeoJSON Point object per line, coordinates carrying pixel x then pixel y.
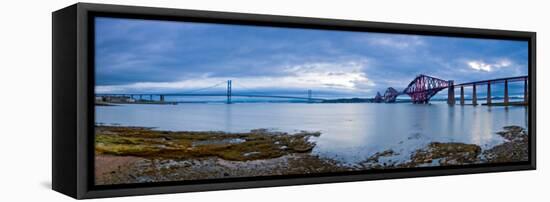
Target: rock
{"type": "Point", "coordinates": [513, 133]}
{"type": "Point", "coordinates": [374, 158]}
{"type": "Point", "coordinates": [450, 154]}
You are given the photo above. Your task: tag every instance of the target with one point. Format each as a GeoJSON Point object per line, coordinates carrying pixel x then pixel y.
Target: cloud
{"type": "Point", "coordinates": [153, 56]}
{"type": "Point", "coordinates": [346, 76]}
{"type": "Point", "coordinates": [395, 41]}
{"type": "Point", "coordinates": [349, 75]}
{"type": "Point", "coordinates": [479, 65]}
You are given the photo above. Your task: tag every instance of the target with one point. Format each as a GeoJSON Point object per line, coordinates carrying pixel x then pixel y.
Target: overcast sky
{"type": "Point", "coordinates": [142, 56]}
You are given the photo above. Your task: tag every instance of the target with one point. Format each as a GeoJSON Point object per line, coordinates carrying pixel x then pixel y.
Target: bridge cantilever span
{"type": "Point", "coordinates": [424, 87]}
{"type": "Point", "coordinates": [390, 95]}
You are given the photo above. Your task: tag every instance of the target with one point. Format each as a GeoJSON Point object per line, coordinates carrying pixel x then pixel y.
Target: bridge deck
{"type": "Point", "coordinates": [209, 95]}
{"type": "Point", "coordinates": [499, 80]}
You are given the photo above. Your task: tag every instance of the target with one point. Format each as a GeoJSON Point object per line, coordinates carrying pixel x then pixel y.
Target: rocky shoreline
{"type": "Point", "coordinates": [137, 154]}
{"type": "Point", "coordinates": [514, 149]}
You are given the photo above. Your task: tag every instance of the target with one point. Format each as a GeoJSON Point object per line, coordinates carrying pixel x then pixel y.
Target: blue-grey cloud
{"type": "Point", "coordinates": [149, 55]}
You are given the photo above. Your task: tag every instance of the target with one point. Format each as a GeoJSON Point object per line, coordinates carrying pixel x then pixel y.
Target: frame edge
{"type": "Point", "coordinates": [84, 190]}
{"type": "Point", "coordinates": [64, 143]}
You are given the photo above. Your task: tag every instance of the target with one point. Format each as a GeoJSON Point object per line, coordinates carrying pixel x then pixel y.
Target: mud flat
{"type": "Point", "coordinates": [137, 154]}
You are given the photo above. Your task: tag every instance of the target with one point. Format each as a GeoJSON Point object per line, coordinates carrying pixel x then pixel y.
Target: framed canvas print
{"type": "Point", "coordinates": [154, 100]}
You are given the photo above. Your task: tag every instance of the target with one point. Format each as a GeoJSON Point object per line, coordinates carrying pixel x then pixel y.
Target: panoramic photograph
{"type": "Point", "coordinates": [184, 101]}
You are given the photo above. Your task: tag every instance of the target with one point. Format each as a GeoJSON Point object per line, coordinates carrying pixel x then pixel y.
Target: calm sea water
{"type": "Point", "coordinates": [350, 132]}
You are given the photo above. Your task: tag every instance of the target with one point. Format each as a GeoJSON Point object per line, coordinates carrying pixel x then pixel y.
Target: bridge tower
{"type": "Point", "coordinates": [423, 87]}
{"type": "Point", "coordinates": [228, 91]}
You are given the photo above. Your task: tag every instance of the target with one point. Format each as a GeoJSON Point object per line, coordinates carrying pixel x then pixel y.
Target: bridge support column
{"type": "Point", "coordinates": [488, 93]}
{"type": "Point", "coordinates": [506, 98]}
{"type": "Point", "coordinates": [461, 95]}
{"type": "Point", "coordinates": [474, 95]}
{"type": "Point", "coordinates": [150, 97]}
{"type": "Point", "coordinates": [525, 92]}
{"type": "Point", "coordinates": [309, 96]}
{"type": "Point", "coordinates": [451, 94]}
{"type": "Point", "coordinates": [228, 92]}
{"type": "Point", "coordinates": [162, 98]}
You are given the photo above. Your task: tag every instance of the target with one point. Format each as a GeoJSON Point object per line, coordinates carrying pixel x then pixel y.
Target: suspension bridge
{"type": "Point", "coordinates": [420, 90]}
{"type": "Point", "coordinates": [229, 94]}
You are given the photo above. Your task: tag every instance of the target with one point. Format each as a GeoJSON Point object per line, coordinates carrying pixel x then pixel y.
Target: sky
{"type": "Point", "coordinates": [150, 56]}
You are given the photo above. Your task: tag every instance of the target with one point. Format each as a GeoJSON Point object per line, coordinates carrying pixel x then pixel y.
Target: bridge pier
{"type": "Point", "coordinates": [506, 98]}
{"type": "Point", "coordinates": [474, 95]}
{"type": "Point", "coordinates": [309, 96]}
{"type": "Point", "coordinates": [162, 98]}
{"type": "Point", "coordinates": [451, 94]}
{"type": "Point", "coordinates": [150, 97]}
{"type": "Point", "coordinates": [489, 93]}
{"type": "Point", "coordinates": [525, 92]}
{"type": "Point", "coordinates": [461, 95]}
{"type": "Point", "coordinates": [228, 92]}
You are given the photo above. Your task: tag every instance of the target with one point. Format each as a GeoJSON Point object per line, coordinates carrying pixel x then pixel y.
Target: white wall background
{"type": "Point", "coordinates": [25, 99]}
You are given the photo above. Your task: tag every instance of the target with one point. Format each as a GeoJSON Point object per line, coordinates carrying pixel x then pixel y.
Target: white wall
{"type": "Point", "coordinates": [25, 104]}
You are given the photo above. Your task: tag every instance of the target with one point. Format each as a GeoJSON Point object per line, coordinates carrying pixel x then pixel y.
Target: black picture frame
{"type": "Point", "coordinates": [73, 92]}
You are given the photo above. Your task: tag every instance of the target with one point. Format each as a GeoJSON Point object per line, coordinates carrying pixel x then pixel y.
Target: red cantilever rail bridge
{"type": "Point", "coordinates": [424, 87]}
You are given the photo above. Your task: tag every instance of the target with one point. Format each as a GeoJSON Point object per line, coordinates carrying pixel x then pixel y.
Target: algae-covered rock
{"type": "Point", "coordinates": [149, 143]}
{"type": "Point", "coordinates": [515, 149]}
{"type": "Point", "coordinates": [451, 153]}
{"type": "Point", "coordinates": [513, 133]}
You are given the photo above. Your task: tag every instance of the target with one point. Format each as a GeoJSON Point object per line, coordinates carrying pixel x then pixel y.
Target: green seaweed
{"type": "Point", "coordinates": [149, 143]}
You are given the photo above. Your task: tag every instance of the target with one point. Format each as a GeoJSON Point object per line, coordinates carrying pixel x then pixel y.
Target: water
{"type": "Point", "coordinates": [350, 132]}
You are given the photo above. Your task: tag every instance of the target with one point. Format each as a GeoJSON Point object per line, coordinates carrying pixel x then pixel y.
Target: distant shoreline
{"type": "Point", "coordinates": [337, 101]}
{"type": "Point", "coordinates": [137, 102]}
